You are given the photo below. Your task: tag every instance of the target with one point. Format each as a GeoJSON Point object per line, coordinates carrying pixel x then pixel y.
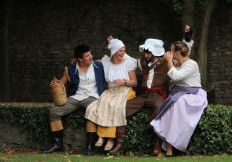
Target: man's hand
{"type": "Point", "coordinates": [53, 84]}
{"type": "Point", "coordinates": [73, 61]}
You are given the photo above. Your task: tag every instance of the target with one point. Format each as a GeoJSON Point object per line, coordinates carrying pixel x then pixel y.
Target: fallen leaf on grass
{"type": "Point", "coordinates": [109, 157]}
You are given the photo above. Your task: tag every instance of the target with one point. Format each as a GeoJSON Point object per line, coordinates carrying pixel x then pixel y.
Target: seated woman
{"type": "Point", "coordinates": [109, 111]}
{"type": "Point", "coordinates": [180, 113]}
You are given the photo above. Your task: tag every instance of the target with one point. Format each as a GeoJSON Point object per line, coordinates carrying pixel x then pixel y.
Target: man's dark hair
{"type": "Point", "coordinates": [147, 51]}
{"type": "Point", "coordinates": [80, 50]}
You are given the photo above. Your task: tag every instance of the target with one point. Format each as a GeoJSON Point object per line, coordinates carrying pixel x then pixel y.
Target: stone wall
{"type": "Point", "coordinates": [12, 136]}
{"type": "Point", "coordinates": [43, 33]}
{"type": "Point", "coordinates": [220, 54]}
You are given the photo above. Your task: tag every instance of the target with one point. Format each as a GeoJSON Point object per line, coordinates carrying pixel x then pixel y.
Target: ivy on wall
{"type": "Point", "coordinates": [212, 136]}
{"type": "Point", "coordinates": [28, 117]}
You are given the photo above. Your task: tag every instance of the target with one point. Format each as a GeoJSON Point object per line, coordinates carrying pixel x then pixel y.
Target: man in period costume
{"type": "Point", "coordinates": [85, 80]}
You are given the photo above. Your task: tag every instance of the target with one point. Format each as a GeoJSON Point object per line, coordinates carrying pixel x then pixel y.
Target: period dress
{"type": "Point", "coordinates": [180, 113]}
{"type": "Point", "coordinates": [109, 110]}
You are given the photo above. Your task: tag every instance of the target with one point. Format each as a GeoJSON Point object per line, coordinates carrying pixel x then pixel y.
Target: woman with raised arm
{"type": "Point", "coordinates": [180, 113]}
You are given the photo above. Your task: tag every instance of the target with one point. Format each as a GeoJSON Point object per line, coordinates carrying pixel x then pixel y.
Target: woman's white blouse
{"type": "Point", "coordinates": [117, 71]}
{"type": "Point", "coordinates": [187, 75]}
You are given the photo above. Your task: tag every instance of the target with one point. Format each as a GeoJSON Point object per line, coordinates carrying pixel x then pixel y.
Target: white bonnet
{"type": "Point", "coordinates": [155, 46]}
{"type": "Point", "coordinates": [114, 45]}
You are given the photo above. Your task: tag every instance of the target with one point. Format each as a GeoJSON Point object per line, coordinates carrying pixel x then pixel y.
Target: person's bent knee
{"type": "Point", "coordinates": [53, 113]}
{"type": "Point", "coordinates": [91, 127]}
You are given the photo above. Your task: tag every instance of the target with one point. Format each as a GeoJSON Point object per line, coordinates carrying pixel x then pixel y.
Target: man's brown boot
{"type": "Point", "coordinates": [120, 138]}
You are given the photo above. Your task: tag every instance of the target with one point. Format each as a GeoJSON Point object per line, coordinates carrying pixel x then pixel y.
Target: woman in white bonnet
{"type": "Point", "coordinates": [109, 111]}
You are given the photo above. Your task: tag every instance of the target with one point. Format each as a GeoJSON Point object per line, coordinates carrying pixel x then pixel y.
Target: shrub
{"type": "Point", "coordinates": [212, 136]}
{"type": "Point", "coordinates": [139, 138]}
{"type": "Point", "coordinates": [214, 132]}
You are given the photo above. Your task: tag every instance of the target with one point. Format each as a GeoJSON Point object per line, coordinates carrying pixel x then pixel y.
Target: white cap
{"type": "Point", "coordinates": [114, 45]}
{"type": "Point", "coordinates": [155, 46]}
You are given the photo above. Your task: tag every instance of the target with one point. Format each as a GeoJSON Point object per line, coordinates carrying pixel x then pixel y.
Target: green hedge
{"type": "Point", "coordinates": [34, 118]}
{"type": "Point", "coordinates": [212, 136]}
{"type": "Point", "coordinates": [30, 117]}
{"type": "Point", "coordinates": [214, 132]}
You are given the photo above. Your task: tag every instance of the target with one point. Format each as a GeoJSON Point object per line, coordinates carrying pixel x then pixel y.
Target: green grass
{"type": "Point", "coordinates": [59, 157]}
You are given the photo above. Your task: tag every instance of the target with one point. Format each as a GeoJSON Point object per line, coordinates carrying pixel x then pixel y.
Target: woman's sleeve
{"type": "Point", "coordinates": [184, 72]}
{"type": "Point", "coordinates": [131, 65]}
